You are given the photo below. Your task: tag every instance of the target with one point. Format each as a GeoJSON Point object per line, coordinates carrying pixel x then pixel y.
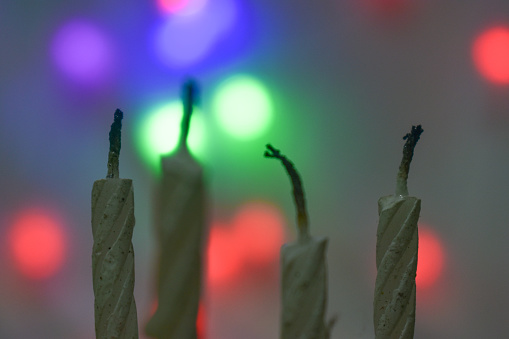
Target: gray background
{"type": "Point", "coordinates": [347, 83]}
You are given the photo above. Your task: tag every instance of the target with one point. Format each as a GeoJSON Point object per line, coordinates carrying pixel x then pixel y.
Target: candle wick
{"type": "Point", "coordinates": [115, 136]}
{"type": "Point", "coordinates": [298, 192]}
{"type": "Point", "coordinates": [189, 98]}
{"type": "Point", "coordinates": [408, 153]}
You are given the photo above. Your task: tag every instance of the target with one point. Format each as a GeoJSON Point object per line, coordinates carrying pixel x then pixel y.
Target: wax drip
{"type": "Point", "coordinates": [189, 99]}
{"type": "Point", "coordinates": [408, 153]}
{"type": "Point", "coordinates": [115, 136]}
{"type": "Point", "coordinates": [298, 192]}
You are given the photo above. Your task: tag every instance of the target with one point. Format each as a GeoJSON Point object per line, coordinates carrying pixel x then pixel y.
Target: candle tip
{"type": "Point", "coordinates": [190, 92]}
{"type": "Point", "coordinates": [189, 100]}
{"type": "Point", "coordinates": [413, 136]}
{"type": "Point", "coordinates": [298, 192]}
{"type": "Point", "coordinates": [115, 144]}
{"type": "Point", "coordinates": [408, 152]}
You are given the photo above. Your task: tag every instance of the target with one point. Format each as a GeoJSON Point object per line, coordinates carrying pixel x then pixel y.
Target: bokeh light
{"type": "Point", "coordinates": [180, 7]}
{"type": "Point", "coordinates": [261, 230]}
{"type": "Point", "coordinates": [431, 260]}
{"type": "Point", "coordinates": [37, 243]}
{"type": "Point", "coordinates": [159, 131]}
{"type": "Point", "coordinates": [224, 254]}
{"type": "Point", "coordinates": [82, 52]}
{"type": "Point", "coordinates": [243, 107]}
{"type": "Point", "coordinates": [201, 321]}
{"type": "Point", "coordinates": [171, 6]}
{"type": "Point", "coordinates": [253, 238]}
{"type": "Point", "coordinates": [387, 6]}
{"type": "Point", "coordinates": [490, 52]}
{"type": "Point", "coordinates": [389, 11]}
{"type": "Point", "coordinates": [185, 40]}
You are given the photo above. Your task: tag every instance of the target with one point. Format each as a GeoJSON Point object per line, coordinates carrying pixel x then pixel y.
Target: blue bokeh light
{"type": "Point", "coordinates": [184, 41]}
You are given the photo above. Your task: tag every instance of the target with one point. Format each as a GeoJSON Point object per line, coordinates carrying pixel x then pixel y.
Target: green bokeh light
{"type": "Point", "coordinates": [159, 132]}
{"type": "Point", "coordinates": [243, 107]}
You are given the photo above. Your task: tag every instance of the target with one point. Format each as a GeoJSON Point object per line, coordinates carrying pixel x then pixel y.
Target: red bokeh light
{"type": "Point", "coordinates": [224, 255]}
{"type": "Point", "coordinates": [490, 52]}
{"type": "Point", "coordinates": [430, 263]}
{"type": "Point", "coordinates": [260, 228]}
{"type": "Point", "coordinates": [388, 9]}
{"type": "Point", "coordinates": [388, 6]}
{"type": "Point", "coordinates": [171, 6]}
{"type": "Point", "coordinates": [254, 237]}
{"type": "Point", "coordinates": [37, 243]}
{"type": "Point", "coordinates": [181, 7]}
{"type": "Point", "coordinates": [201, 321]}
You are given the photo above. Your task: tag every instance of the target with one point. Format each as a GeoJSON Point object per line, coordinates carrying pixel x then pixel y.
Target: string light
{"type": "Point", "coordinates": [37, 243]}
{"type": "Point", "coordinates": [243, 107]}
{"type": "Point", "coordinates": [490, 52]}
{"type": "Point", "coordinates": [82, 52]}
{"type": "Point", "coordinates": [430, 263]}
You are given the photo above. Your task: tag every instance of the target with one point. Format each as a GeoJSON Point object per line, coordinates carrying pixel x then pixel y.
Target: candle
{"type": "Point", "coordinates": [396, 254]}
{"type": "Point", "coordinates": [180, 226]}
{"type": "Point", "coordinates": [303, 272]}
{"type": "Point", "coordinates": [112, 253]}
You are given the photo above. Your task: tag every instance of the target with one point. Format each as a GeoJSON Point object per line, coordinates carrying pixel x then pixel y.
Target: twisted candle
{"type": "Point", "coordinates": [112, 252]}
{"type": "Point", "coordinates": [396, 254]}
{"type": "Point", "coordinates": [180, 226]}
{"type": "Point", "coordinates": [303, 272]}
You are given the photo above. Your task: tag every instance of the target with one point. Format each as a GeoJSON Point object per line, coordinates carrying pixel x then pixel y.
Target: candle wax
{"type": "Point", "coordinates": [396, 261]}
{"type": "Point", "coordinates": [180, 226]}
{"type": "Point", "coordinates": [304, 289]}
{"type": "Point", "coordinates": [113, 258]}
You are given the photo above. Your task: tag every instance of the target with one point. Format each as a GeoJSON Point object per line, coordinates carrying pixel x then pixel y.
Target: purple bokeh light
{"type": "Point", "coordinates": [83, 52]}
{"type": "Point", "coordinates": [183, 41]}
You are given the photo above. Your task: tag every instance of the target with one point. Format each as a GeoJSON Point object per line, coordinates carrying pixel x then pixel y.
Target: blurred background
{"type": "Point", "coordinates": [334, 84]}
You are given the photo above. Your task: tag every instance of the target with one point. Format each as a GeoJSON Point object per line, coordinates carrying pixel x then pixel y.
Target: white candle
{"type": "Point", "coordinates": [112, 253]}
{"type": "Point", "coordinates": [396, 254]}
{"type": "Point", "coordinates": [303, 273]}
{"type": "Point", "coordinates": [180, 226]}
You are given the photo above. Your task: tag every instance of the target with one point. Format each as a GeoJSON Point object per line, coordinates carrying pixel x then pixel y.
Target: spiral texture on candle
{"type": "Point", "coordinates": [304, 290]}
{"type": "Point", "coordinates": [180, 226]}
{"type": "Point", "coordinates": [396, 262]}
{"type": "Point", "coordinates": [113, 259]}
